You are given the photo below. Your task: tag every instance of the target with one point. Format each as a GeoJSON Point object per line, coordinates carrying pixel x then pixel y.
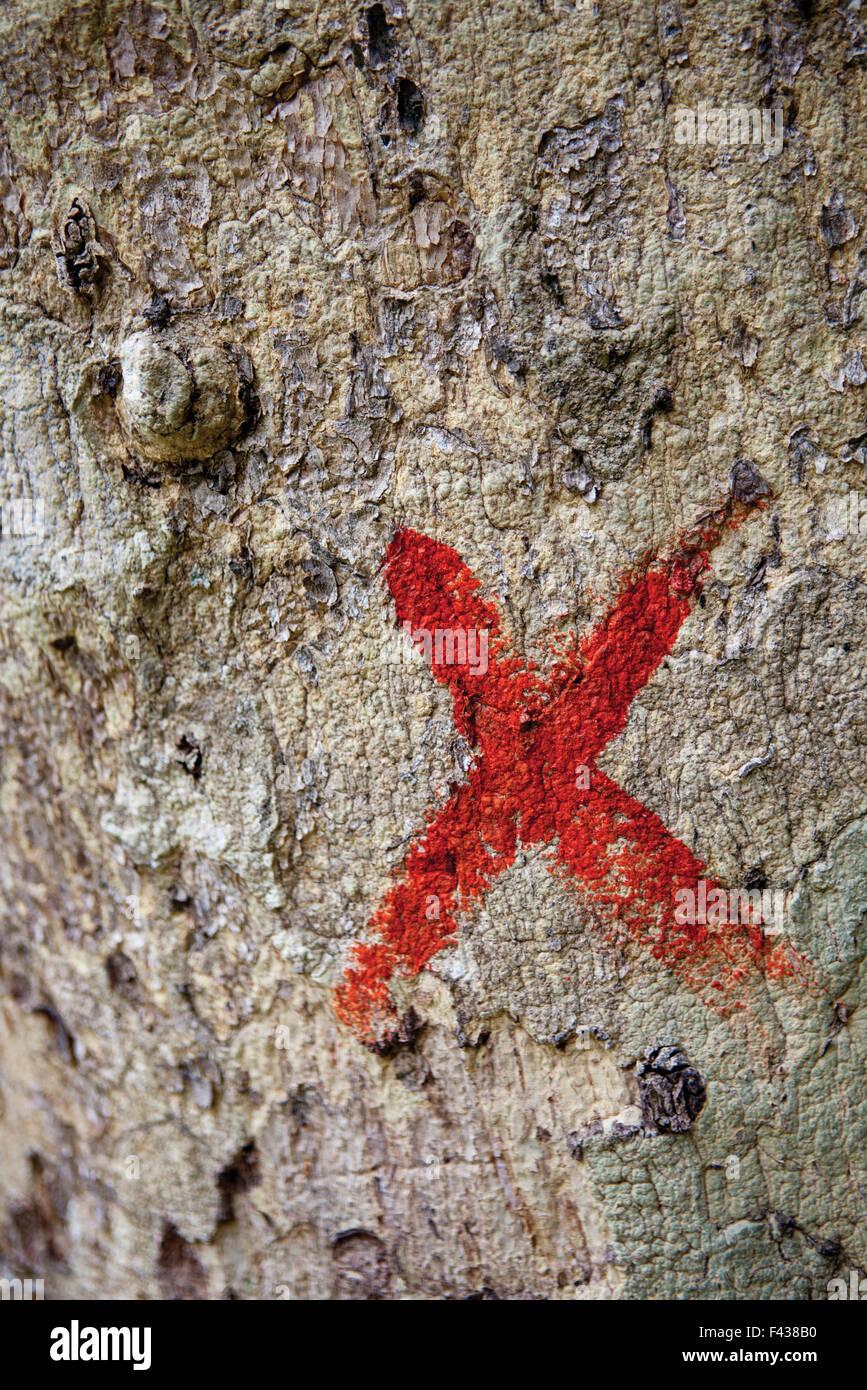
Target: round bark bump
{"type": "Point", "coordinates": [182, 400]}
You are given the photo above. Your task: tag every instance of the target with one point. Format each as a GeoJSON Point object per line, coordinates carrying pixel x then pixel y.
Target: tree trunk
{"type": "Point", "coordinates": [432, 548]}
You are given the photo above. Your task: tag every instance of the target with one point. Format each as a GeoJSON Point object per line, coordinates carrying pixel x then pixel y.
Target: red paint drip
{"type": "Point", "coordinates": [532, 731]}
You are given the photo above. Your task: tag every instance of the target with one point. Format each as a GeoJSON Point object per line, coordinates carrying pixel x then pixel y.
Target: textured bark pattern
{"type": "Point", "coordinates": [277, 281]}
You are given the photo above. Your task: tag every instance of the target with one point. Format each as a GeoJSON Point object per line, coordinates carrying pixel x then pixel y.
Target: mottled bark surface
{"type": "Point", "coordinates": [275, 281]}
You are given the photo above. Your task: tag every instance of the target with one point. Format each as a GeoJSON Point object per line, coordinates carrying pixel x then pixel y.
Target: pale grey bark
{"type": "Point", "coordinates": [275, 280]}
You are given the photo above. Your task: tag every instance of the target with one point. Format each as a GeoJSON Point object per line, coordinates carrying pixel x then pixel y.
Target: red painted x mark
{"type": "Point", "coordinates": [532, 732]}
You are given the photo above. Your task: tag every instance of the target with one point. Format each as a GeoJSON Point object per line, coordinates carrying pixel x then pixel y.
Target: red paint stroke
{"type": "Point", "coordinates": [531, 731]}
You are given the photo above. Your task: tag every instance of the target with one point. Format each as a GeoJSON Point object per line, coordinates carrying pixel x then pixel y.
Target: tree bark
{"type": "Point", "coordinates": [303, 306]}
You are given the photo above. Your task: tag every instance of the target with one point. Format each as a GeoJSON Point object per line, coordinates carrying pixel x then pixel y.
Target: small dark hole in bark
{"type": "Point", "coordinates": [142, 479]}
{"type": "Point", "coordinates": [239, 1175]}
{"type": "Point", "coordinates": [416, 190]}
{"type": "Point", "coordinates": [379, 31]}
{"type": "Point", "coordinates": [410, 106]}
{"type": "Point", "coordinates": [746, 482]}
{"type": "Point", "coordinates": [159, 311]}
{"type": "Point", "coordinates": [404, 1034]}
{"type": "Point", "coordinates": [108, 379]}
{"type": "Point", "coordinates": [121, 975]}
{"type": "Point", "coordinates": [191, 757]}
{"type": "Point", "coordinates": [179, 1270]}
